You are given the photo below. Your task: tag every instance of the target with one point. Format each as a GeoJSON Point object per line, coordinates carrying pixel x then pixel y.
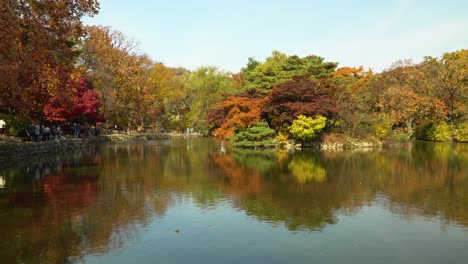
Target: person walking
{"type": "Point", "coordinates": [2, 127]}
{"type": "Point", "coordinates": [97, 131]}
{"type": "Point", "coordinates": [37, 131]}
{"type": "Point", "coordinates": [77, 130]}
{"type": "Point", "coordinates": [41, 133]}
{"type": "Point", "coordinates": [59, 131]}
{"type": "Point", "coordinates": [47, 133]}
{"type": "Point", "coordinates": [32, 132]}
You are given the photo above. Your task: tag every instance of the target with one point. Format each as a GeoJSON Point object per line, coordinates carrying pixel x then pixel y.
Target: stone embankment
{"type": "Point", "coordinates": [336, 146]}
{"type": "Point", "coordinates": [11, 148]}
{"type": "Point", "coordinates": [148, 136]}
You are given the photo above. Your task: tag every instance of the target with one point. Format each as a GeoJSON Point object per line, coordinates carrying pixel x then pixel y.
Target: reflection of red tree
{"type": "Point", "coordinates": [69, 193]}
{"type": "Point", "coordinates": [239, 180]}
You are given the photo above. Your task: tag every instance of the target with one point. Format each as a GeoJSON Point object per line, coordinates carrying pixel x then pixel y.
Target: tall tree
{"type": "Point", "coordinates": [407, 98]}
{"type": "Point", "coordinates": [279, 68]}
{"type": "Point", "coordinates": [38, 44]}
{"type": "Point", "coordinates": [449, 76]}
{"type": "Point", "coordinates": [176, 101]}
{"type": "Point", "coordinates": [207, 86]}
{"type": "Point", "coordinates": [351, 85]}
{"type": "Point", "coordinates": [165, 95]}
{"type": "Point", "coordinates": [83, 106]}
{"type": "Point", "coordinates": [120, 74]}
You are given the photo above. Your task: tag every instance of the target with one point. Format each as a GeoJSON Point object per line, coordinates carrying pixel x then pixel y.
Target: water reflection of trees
{"type": "Point", "coordinates": [307, 170]}
{"type": "Point", "coordinates": [306, 189]}
{"type": "Point", "coordinates": [284, 194]}
{"type": "Point", "coordinates": [55, 209]}
{"type": "Point", "coordinates": [38, 209]}
{"type": "Point", "coordinates": [431, 180]}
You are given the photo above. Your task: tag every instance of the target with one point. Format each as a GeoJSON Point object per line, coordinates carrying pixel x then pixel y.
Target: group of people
{"type": "Point", "coordinates": [39, 132]}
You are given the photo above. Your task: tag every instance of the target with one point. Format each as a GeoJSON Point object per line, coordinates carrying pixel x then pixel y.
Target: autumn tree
{"type": "Point", "coordinates": [9, 65]}
{"type": "Point", "coordinates": [134, 95]}
{"type": "Point", "coordinates": [407, 97]}
{"type": "Point", "coordinates": [171, 95]}
{"type": "Point", "coordinates": [125, 78]}
{"type": "Point", "coordinates": [350, 90]}
{"type": "Point", "coordinates": [38, 51]}
{"type": "Point", "coordinates": [449, 80]}
{"type": "Point", "coordinates": [234, 113]}
{"type": "Point", "coordinates": [206, 86]}
{"type": "Point", "coordinates": [105, 56]}
{"type": "Point", "coordinates": [83, 106]}
{"type": "Point", "coordinates": [299, 97]}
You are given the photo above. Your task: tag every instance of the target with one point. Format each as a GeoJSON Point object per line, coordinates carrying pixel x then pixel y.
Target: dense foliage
{"type": "Point", "coordinates": [38, 53]}
{"type": "Point", "coordinates": [306, 128]}
{"type": "Point", "coordinates": [298, 97]}
{"type": "Point", "coordinates": [54, 69]}
{"type": "Point", "coordinates": [236, 111]}
{"type": "Point", "coordinates": [258, 135]}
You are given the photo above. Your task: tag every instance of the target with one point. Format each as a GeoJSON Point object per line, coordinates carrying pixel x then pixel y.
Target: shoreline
{"type": "Point", "coordinates": [13, 149]}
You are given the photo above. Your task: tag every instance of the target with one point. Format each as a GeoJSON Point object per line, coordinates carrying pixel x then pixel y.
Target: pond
{"type": "Point", "coordinates": [195, 201]}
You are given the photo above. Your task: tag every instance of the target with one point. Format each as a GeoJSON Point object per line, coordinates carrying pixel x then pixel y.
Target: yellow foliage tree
{"type": "Point", "coordinates": [306, 128]}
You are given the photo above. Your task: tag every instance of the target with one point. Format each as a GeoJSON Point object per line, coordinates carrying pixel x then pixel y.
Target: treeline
{"type": "Point", "coordinates": [54, 69]}
{"type": "Point", "coordinates": [299, 97]}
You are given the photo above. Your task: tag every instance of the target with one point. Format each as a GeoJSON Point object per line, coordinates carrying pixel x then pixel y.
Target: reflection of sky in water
{"type": "Point", "coordinates": [227, 235]}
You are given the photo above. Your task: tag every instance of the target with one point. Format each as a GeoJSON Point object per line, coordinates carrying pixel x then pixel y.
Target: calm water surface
{"type": "Point", "coordinates": [185, 201]}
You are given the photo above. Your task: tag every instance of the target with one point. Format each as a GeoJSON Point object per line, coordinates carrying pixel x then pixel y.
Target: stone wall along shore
{"type": "Point", "coordinates": [16, 150]}
{"type": "Point", "coordinates": [13, 149]}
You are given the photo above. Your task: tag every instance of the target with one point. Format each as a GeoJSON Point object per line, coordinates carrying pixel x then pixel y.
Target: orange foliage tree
{"type": "Point", "coordinates": [408, 97]}
{"type": "Point", "coordinates": [236, 111]}
{"type": "Point", "coordinates": [351, 83]}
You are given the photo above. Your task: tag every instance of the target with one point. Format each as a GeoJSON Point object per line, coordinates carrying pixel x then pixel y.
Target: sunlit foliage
{"type": "Point", "coordinates": [306, 128]}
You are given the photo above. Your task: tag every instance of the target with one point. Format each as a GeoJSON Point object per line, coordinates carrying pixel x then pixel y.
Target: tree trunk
{"type": "Point", "coordinates": [409, 126]}
{"type": "Point", "coordinates": [129, 123]}
{"type": "Point", "coordinates": [142, 128]}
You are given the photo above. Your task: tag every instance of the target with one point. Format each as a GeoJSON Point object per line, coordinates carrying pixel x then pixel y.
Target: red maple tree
{"type": "Point", "coordinates": [300, 96]}
{"type": "Point", "coordinates": [84, 103]}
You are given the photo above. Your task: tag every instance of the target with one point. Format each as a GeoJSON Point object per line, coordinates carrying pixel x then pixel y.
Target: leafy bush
{"type": "Point", "coordinates": [259, 135]}
{"type": "Point", "coordinates": [461, 133]}
{"type": "Point", "coordinates": [15, 125]}
{"type": "Point", "coordinates": [306, 128]}
{"type": "Point", "coordinates": [282, 138]}
{"type": "Point", "coordinates": [175, 124]}
{"type": "Point", "coordinates": [382, 127]}
{"type": "Point", "coordinates": [434, 132]}
{"type": "Point", "coordinates": [398, 135]}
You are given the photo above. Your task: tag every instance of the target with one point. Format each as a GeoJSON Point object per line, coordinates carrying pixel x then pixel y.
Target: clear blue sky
{"type": "Point", "coordinates": [225, 33]}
